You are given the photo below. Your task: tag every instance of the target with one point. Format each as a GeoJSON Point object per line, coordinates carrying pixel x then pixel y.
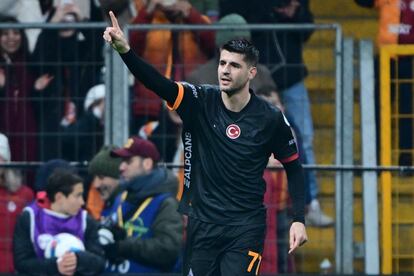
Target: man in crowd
{"type": "Point", "coordinates": [144, 228]}
{"type": "Point", "coordinates": [105, 184]}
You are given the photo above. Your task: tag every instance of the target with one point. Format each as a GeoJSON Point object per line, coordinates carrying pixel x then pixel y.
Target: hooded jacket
{"type": "Point", "coordinates": [162, 250]}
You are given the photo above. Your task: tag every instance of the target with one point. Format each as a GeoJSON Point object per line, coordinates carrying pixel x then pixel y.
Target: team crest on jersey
{"type": "Point", "coordinates": [233, 131]}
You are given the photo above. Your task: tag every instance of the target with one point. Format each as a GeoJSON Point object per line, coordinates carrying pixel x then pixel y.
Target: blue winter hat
{"type": "Point", "coordinates": [47, 169]}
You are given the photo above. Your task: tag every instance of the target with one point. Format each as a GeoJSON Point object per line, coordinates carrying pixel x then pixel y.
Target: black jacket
{"type": "Point", "coordinates": [89, 262]}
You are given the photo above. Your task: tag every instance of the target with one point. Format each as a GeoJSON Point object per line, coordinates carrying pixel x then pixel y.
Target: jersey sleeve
{"type": "Point", "coordinates": [284, 146]}
{"type": "Point", "coordinates": [187, 103]}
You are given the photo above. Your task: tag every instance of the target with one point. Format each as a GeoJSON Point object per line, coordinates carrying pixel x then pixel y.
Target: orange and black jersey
{"type": "Point", "coordinates": [226, 152]}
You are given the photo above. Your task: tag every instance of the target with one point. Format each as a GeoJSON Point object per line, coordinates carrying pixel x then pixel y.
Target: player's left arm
{"type": "Point", "coordinates": [285, 150]}
{"type": "Point", "coordinates": [296, 186]}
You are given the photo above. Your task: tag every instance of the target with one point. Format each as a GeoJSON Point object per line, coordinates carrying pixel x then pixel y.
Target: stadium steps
{"type": "Point", "coordinates": [322, 240]}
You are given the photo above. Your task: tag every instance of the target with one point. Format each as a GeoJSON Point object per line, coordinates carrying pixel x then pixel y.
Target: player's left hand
{"type": "Point", "coordinates": [297, 236]}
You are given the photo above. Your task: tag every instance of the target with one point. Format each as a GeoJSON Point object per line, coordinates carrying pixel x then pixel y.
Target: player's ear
{"type": "Point", "coordinates": [252, 72]}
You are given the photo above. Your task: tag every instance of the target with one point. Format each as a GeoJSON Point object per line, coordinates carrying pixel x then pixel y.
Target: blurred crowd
{"type": "Point", "coordinates": [122, 209]}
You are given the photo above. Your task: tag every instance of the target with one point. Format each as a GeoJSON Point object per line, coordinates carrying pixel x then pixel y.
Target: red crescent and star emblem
{"type": "Point", "coordinates": [233, 131]}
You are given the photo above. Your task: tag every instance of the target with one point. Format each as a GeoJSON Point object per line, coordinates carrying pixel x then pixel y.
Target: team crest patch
{"type": "Point", "coordinates": [233, 131]}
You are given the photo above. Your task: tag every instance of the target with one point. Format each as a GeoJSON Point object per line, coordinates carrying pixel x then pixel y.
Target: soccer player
{"type": "Point", "coordinates": [228, 135]}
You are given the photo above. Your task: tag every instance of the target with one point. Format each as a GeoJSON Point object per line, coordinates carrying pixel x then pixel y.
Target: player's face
{"type": "Point", "coordinates": [71, 204]}
{"type": "Point", "coordinates": [233, 72]}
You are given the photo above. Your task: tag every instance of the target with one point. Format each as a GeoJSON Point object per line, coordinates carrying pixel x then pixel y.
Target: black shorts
{"type": "Point", "coordinates": [214, 249]}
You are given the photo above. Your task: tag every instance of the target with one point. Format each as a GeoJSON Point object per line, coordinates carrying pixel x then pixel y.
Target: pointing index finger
{"type": "Point", "coordinates": [114, 20]}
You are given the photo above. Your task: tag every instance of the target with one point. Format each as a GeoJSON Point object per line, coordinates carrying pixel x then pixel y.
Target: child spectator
{"type": "Point", "coordinates": [38, 226]}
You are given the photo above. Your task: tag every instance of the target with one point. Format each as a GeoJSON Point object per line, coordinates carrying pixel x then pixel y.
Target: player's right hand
{"type": "Point", "coordinates": [297, 236]}
{"type": "Point", "coordinates": [115, 37]}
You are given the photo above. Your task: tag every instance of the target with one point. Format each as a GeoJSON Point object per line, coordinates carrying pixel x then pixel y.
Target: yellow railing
{"type": "Point", "coordinates": [387, 53]}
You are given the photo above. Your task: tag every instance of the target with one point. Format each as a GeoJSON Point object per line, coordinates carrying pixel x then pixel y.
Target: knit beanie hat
{"type": "Point", "coordinates": [104, 164]}
{"type": "Point", "coordinates": [4, 148]}
{"type": "Point", "coordinates": [223, 36]}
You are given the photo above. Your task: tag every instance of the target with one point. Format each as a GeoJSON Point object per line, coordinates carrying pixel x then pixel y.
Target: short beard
{"type": "Point", "coordinates": [232, 91]}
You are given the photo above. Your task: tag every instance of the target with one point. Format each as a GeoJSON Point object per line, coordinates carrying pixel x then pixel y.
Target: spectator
{"type": "Point", "coordinates": [17, 87]}
{"type": "Point", "coordinates": [105, 186]}
{"type": "Point", "coordinates": [175, 54]}
{"type": "Point", "coordinates": [38, 11]}
{"type": "Point", "coordinates": [74, 63]}
{"type": "Point", "coordinates": [33, 11]}
{"type": "Point", "coordinates": [396, 26]}
{"type": "Point", "coordinates": [206, 73]}
{"type": "Point", "coordinates": [38, 226]}
{"type": "Point", "coordinates": [13, 198]}
{"type": "Point", "coordinates": [146, 211]}
{"type": "Point", "coordinates": [84, 137]}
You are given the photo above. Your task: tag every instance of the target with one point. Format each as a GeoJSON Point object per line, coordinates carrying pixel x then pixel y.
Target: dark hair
{"type": "Point", "coordinates": [244, 47]}
{"type": "Point", "coordinates": [61, 181]}
{"type": "Point", "coordinates": [24, 46]}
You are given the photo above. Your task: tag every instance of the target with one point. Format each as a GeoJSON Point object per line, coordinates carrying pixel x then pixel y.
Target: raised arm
{"type": "Point", "coordinates": [144, 72]}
